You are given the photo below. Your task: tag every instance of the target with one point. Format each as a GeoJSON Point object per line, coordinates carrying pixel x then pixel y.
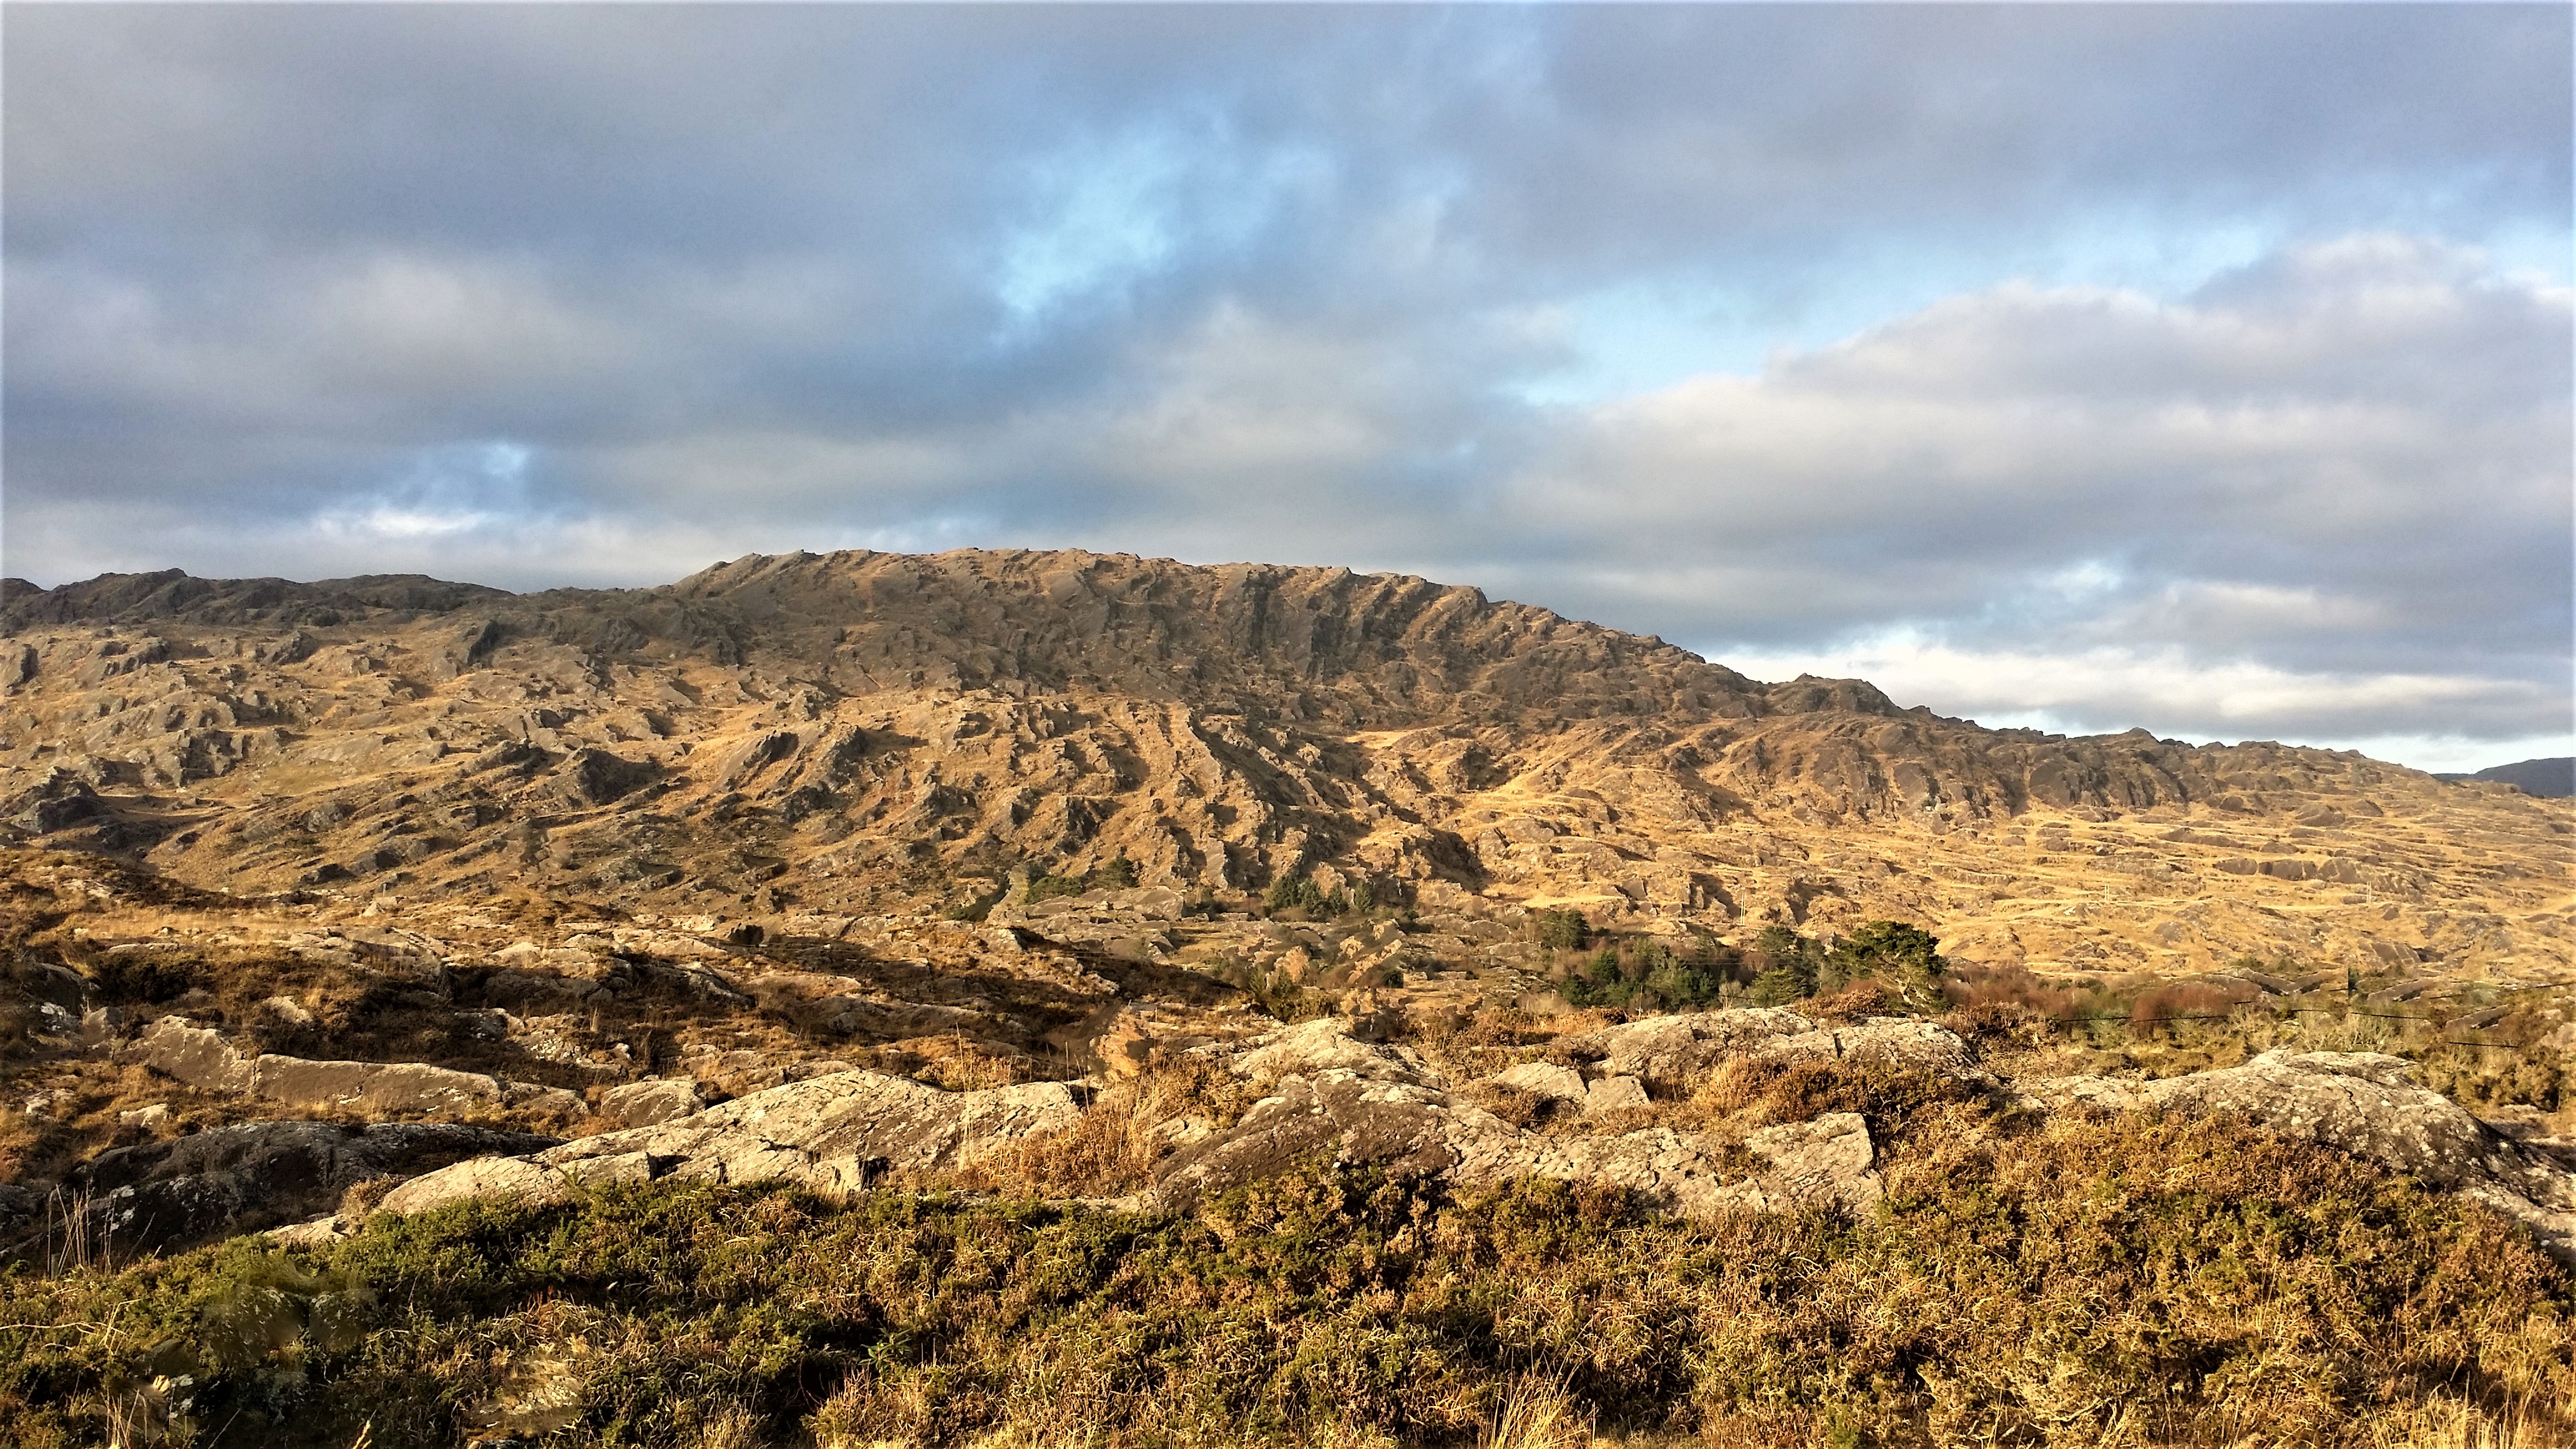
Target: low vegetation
{"type": "Point", "coordinates": [2086, 1281]}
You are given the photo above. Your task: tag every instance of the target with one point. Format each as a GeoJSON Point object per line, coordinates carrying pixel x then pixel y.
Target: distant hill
{"type": "Point", "coordinates": [2550, 779]}
{"type": "Point", "coordinates": [861, 733]}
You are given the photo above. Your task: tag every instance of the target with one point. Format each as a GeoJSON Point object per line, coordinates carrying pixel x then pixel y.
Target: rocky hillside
{"type": "Point", "coordinates": [856, 731]}
{"type": "Point", "coordinates": [614, 1007]}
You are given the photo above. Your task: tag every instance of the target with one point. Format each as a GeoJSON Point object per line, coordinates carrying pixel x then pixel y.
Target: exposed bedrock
{"type": "Point", "coordinates": [1331, 1093]}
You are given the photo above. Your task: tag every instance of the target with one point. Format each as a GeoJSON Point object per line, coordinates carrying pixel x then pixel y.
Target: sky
{"type": "Point", "coordinates": [2203, 368]}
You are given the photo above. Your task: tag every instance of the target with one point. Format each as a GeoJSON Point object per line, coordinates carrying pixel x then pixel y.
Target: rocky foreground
{"type": "Point", "coordinates": [1754, 1225]}
{"type": "Point", "coordinates": [1328, 1092]}
{"type": "Point", "coordinates": [193, 1065]}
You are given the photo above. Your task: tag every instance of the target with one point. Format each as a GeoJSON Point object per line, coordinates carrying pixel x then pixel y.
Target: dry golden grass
{"type": "Point", "coordinates": [2453, 1424]}
{"type": "Point", "coordinates": [1538, 1413]}
{"type": "Point", "coordinates": [1113, 1147]}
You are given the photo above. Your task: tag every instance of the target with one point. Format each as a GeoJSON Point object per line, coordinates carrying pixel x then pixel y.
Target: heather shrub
{"type": "Point", "coordinates": [2183, 1002]}
{"type": "Point", "coordinates": [2125, 1280]}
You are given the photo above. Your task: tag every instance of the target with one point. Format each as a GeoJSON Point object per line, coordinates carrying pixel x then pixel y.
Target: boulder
{"type": "Point", "coordinates": [228, 1180]}
{"type": "Point", "coordinates": [1611, 1094]}
{"type": "Point", "coordinates": [1329, 1044]}
{"type": "Point", "coordinates": [202, 1057]}
{"type": "Point", "coordinates": [1669, 1053]}
{"type": "Point", "coordinates": [834, 1132]}
{"type": "Point", "coordinates": [1883, 1041]}
{"type": "Point", "coordinates": [1680, 1048]}
{"type": "Point", "coordinates": [1550, 1082]}
{"type": "Point", "coordinates": [1544, 1080]}
{"type": "Point", "coordinates": [378, 1086]}
{"type": "Point", "coordinates": [1338, 1097]}
{"type": "Point", "coordinates": [1828, 1159]}
{"type": "Point", "coordinates": [652, 1102]}
{"type": "Point", "coordinates": [2370, 1106]}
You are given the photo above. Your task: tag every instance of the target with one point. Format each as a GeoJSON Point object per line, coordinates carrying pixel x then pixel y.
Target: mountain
{"type": "Point", "coordinates": [853, 731]}
{"type": "Point", "coordinates": [1026, 997]}
{"type": "Point", "coordinates": [2553, 778]}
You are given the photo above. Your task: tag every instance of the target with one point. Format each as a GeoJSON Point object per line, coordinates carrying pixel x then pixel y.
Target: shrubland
{"type": "Point", "coordinates": [2069, 1280]}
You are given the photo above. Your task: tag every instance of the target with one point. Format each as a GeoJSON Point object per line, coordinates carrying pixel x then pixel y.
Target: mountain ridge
{"type": "Point", "coordinates": [828, 729]}
{"type": "Point", "coordinates": [2551, 777]}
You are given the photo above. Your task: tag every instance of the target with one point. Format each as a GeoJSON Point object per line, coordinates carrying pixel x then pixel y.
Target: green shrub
{"type": "Point", "coordinates": [1787, 966]}
{"type": "Point", "coordinates": [1781, 985]}
{"type": "Point", "coordinates": [1904, 957]}
{"type": "Point", "coordinates": [1564, 930]}
{"type": "Point", "coordinates": [1050, 887]}
{"type": "Point", "coordinates": [1646, 976]}
{"type": "Point", "coordinates": [2016, 1286]}
{"type": "Point", "coordinates": [1299, 892]}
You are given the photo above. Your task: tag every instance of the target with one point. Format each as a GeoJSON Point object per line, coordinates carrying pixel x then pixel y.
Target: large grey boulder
{"type": "Point", "coordinates": [652, 1102]}
{"type": "Point", "coordinates": [2365, 1104]}
{"type": "Point", "coordinates": [1670, 1049]}
{"type": "Point", "coordinates": [1328, 1044]}
{"type": "Point", "coordinates": [836, 1132]}
{"type": "Point", "coordinates": [1550, 1082]}
{"type": "Point", "coordinates": [228, 1180]}
{"type": "Point", "coordinates": [203, 1057]}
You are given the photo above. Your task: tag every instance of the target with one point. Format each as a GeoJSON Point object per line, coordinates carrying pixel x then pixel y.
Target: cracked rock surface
{"type": "Point", "coordinates": [2371, 1106]}
{"type": "Point", "coordinates": [838, 1131]}
{"type": "Point", "coordinates": [202, 1057]}
{"type": "Point", "coordinates": [1336, 1096]}
{"type": "Point", "coordinates": [243, 1178]}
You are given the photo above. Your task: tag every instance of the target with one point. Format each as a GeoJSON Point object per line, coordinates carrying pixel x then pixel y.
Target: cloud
{"type": "Point", "coordinates": [2378, 427]}
{"type": "Point", "coordinates": [2162, 341]}
{"type": "Point", "coordinates": [2170, 690]}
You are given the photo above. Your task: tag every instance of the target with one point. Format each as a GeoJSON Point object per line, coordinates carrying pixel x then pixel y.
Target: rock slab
{"type": "Point", "coordinates": [836, 1132]}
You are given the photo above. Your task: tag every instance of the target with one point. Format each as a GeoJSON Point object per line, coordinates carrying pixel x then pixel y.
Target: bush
{"type": "Point", "coordinates": [1117, 873]}
{"type": "Point", "coordinates": [2012, 986]}
{"type": "Point", "coordinates": [1299, 892]}
{"type": "Point", "coordinates": [1562, 930]}
{"type": "Point", "coordinates": [1293, 892]}
{"type": "Point", "coordinates": [2013, 1288]}
{"type": "Point", "coordinates": [1786, 966]}
{"type": "Point", "coordinates": [1903, 957]}
{"type": "Point", "coordinates": [1645, 976]}
{"type": "Point", "coordinates": [2189, 1001]}
{"type": "Point", "coordinates": [1050, 887]}
{"type": "Point", "coordinates": [1781, 985]}
{"type": "Point", "coordinates": [2001, 1021]}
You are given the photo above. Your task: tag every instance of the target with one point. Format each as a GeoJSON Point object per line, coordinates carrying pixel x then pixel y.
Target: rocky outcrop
{"type": "Point", "coordinates": [2370, 1106]}
{"type": "Point", "coordinates": [1338, 1096]}
{"type": "Point", "coordinates": [1336, 1091]}
{"type": "Point", "coordinates": [652, 1102]}
{"type": "Point", "coordinates": [1549, 1082]}
{"type": "Point", "coordinates": [1680, 1049]}
{"type": "Point", "coordinates": [836, 1132]}
{"type": "Point", "coordinates": [227, 1180]}
{"type": "Point", "coordinates": [204, 1058]}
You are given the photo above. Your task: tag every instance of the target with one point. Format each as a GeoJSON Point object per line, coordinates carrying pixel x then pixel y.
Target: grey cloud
{"type": "Point", "coordinates": [1275, 282]}
{"type": "Point", "coordinates": [2204, 485]}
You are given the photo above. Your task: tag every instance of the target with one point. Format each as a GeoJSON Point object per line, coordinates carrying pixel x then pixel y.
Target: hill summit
{"type": "Point", "coordinates": [831, 732]}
